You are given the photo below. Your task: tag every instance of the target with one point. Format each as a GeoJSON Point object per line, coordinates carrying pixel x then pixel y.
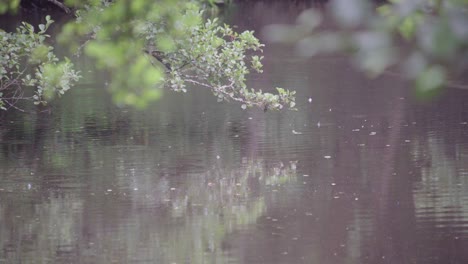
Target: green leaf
{"type": "Point", "coordinates": [430, 81]}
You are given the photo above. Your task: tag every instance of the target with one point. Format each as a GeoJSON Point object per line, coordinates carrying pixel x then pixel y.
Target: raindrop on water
{"type": "Point", "coordinates": [296, 132]}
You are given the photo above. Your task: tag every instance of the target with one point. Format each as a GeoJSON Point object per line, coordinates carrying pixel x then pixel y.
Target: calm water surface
{"type": "Point", "coordinates": [362, 174]}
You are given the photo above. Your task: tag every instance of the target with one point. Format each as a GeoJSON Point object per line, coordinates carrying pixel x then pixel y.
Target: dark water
{"type": "Point", "coordinates": [369, 174]}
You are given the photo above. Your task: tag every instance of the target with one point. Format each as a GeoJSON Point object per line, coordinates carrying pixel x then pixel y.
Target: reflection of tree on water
{"type": "Point", "coordinates": [161, 221]}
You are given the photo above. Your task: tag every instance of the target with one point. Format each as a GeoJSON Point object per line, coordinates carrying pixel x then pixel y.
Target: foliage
{"type": "Point", "coordinates": [146, 45]}
{"type": "Point", "coordinates": [8, 5]}
{"type": "Point", "coordinates": [215, 57]}
{"type": "Point", "coordinates": [427, 39]}
{"type": "Point", "coordinates": [26, 60]}
{"type": "Point", "coordinates": [181, 47]}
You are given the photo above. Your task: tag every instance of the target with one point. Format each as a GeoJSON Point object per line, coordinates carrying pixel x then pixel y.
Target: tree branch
{"type": "Point", "coordinates": [60, 5]}
{"type": "Point", "coordinates": [158, 56]}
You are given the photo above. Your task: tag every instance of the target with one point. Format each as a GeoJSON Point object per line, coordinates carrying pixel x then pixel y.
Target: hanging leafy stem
{"type": "Point", "coordinates": [218, 58]}
{"type": "Point", "coordinates": [161, 45]}
{"type": "Point", "coordinates": [27, 61]}
{"type": "Point", "coordinates": [145, 45]}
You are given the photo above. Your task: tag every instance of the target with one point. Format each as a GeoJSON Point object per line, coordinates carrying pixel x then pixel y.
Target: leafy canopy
{"type": "Point", "coordinates": [427, 39]}
{"type": "Point", "coordinates": [146, 45]}
{"type": "Point", "coordinates": [26, 60]}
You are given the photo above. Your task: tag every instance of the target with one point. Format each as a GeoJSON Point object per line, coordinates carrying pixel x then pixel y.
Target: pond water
{"type": "Point", "coordinates": [361, 173]}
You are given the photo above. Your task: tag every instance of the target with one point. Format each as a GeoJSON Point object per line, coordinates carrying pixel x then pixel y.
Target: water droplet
{"type": "Point", "coordinates": [218, 157]}
{"type": "Point", "coordinates": [296, 132]}
{"type": "Point", "coordinates": [373, 133]}
{"type": "Point", "coordinates": [172, 189]}
{"type": "Point", "coordinates": [310, 100]}
{"type": "Point", "coordinates": [327, 157]}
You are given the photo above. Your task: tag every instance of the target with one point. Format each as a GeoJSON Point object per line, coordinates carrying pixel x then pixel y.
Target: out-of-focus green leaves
{"type": "Point", "coordinates": [430, 81]}
{"type": "Point", "coordinates": [146, 45]}
{"type": "Point", "coordinates": [39, 54]}
{"type": "Point", "coordinates": [408, 26]}
{"type": "Point", "coordinates": [9, 6]}
{"type": "Point", "coordinates": [305, 24]}
{"type": "Point", "coordinates": [350, 13]}
{"type": "Point", "coordinates": [436, 33]}
{"type": "Point", "coordinates": [374, 51]}
{"type": "Point", "coordinates": [436, 38]}
{"type": "Point", "coordinates": [165, 43]}
{"type": "Point", "coordinates": [309, 19]}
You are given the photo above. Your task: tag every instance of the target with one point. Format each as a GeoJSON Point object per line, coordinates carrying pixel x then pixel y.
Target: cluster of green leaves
{"type": "Point", "coordinates": [213, 56]}
{"type": "Point", "coordinates": [147, 45]}
{"type": "Point", "coordinates": [27, 61]}
{"type": "Point", "coordinates": [8, 5]}
{"type": "Point", "coordinates": [427, 38]}
{"type": "Point", "coordinates": [439, 31]}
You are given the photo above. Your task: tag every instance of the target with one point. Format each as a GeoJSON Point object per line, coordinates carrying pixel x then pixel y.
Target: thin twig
{"type": "Point", "coordinates": [13, 106]}
{"type": "Point", "coordinates": [61, 6]}
{"type": "Point", "coordinates": [221, 89]}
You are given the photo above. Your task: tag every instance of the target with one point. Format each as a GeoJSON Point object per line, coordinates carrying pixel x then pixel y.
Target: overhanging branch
{"type": "Point", "coordinates": [60, 5]}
